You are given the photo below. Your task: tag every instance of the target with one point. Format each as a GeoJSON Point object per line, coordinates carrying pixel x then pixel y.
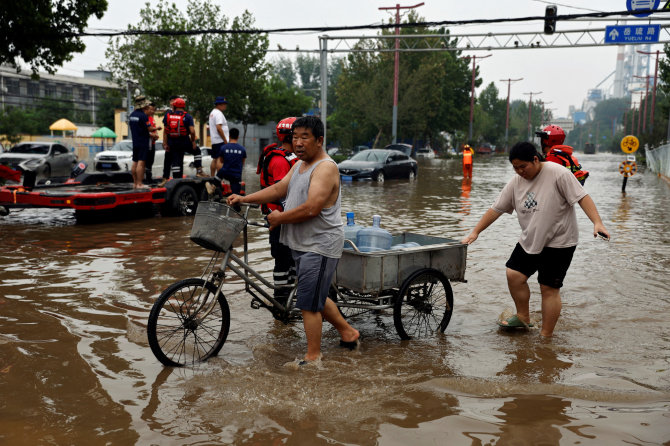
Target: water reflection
{"type": "Point", "coordinates": [533, 419]}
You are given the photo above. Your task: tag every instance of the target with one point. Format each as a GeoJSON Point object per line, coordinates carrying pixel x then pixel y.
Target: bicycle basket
{"type": "Point", "coordinates": [216, 226]}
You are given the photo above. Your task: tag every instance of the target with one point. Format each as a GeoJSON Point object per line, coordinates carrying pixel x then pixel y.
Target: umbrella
{"type": "Point", "coordinates": [63, 125]}
{"type": "Point", "coordinates": [103, 132]}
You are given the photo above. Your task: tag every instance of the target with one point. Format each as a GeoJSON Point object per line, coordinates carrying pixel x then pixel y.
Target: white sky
{"type": "Point", "coordinates": [562, 75]}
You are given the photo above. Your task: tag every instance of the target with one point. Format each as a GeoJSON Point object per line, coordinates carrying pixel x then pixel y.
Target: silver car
{"type": "Point", "coordinates": [46, 159]}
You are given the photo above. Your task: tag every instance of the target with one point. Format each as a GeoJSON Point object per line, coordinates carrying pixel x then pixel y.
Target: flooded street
{"type": "Point", "coordinates": [75, 366]}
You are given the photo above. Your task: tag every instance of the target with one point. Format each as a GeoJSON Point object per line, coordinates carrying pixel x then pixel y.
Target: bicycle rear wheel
{"type": "Point", "coordinates": [178, 329]}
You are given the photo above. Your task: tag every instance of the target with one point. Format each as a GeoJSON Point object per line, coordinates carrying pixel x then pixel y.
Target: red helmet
{"type": "Point", "coordinates": [551, 135]}
{"type": "Point", "coordinates": [179, 103]}
{"type": "Point", "coordinates": [285, 129]}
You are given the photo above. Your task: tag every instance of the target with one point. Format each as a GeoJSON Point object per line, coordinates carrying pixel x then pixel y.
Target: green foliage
{"type": "Point", "coordinates": [199, 67]}
{"type": "Point", "coordinates": [39, 32]}
{"type": "Point", "coordinates": [433, 93]}
{"type": "Point", "coordinates": [108, 102]}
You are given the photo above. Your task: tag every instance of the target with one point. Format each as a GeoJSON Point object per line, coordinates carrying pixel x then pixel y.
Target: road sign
{"type": "Point", "coordinates": [640, 5]}
{"type": "Point", "coordinates": [627, 168]}
{"type": "Point", "coordinates": [630, 144]}
{"type": "Point", "coordinates": [632, 33]}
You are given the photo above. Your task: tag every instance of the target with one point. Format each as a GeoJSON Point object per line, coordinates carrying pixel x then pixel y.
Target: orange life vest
{"type": "Point", "coordinates": [562, 154]}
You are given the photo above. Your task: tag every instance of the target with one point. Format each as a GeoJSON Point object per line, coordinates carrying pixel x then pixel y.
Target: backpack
{"type": "Point", "coordinates": [175, 124]}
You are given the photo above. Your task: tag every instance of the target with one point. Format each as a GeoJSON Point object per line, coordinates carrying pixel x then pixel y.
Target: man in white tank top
{"type": "Point", "coordinates": [312, 229]}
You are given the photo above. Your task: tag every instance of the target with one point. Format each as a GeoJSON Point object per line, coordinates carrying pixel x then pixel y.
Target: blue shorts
{"type": "Point", "coordinates": [551, 264]}
{"type": "Point", "coordinates": [315, 274]}
{"type": "Point", "coordinates": [216, 150]}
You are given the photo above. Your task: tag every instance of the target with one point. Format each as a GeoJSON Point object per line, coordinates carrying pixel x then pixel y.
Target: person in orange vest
{"type": "Point", "coordinates": [467, 161]}
{"type": "Point", "coordinates": [551, 139]}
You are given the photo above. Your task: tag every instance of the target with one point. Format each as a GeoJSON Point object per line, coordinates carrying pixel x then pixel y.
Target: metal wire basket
{"type": "Point", "coordinates": [216, 226]}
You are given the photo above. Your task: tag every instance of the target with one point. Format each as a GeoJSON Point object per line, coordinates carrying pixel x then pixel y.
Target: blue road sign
{"type": "Point", "coordinates": [632, 33]}
{"type": "Point", "coordinates": [640, 5]}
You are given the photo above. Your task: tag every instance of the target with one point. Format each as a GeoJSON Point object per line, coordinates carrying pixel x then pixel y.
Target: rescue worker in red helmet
{"type": "Point", "coordinates": [273, 164]}
{"type": "Point", "coordinates": [551, 139]}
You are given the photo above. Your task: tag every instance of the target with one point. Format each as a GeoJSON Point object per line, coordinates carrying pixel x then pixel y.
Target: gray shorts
{"type": "Point", "coordinates": [315, 274]}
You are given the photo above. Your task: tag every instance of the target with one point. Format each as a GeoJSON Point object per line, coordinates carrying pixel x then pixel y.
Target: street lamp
{"type": "Point", "coordinates": [509, 83]}
{"type": "Point", "coordinates": [472, 89]}
{"type": "Point", "coordinates": [530, 104]}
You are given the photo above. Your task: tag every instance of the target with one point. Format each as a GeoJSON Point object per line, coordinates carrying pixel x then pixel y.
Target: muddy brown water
{"type": "Point", "coordinates": [75, 367]}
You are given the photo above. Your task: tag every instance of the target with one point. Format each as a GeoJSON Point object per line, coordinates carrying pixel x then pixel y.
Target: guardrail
{"type": "Point", "coordinates": [658, 160]}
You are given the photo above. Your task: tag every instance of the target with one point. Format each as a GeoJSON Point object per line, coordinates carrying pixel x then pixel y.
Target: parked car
{"type": "Point", "coordinates": [46, 159]}
{"type": "Point", "coordinates": [407, 149]}
{"type": "Point", "coordinates": [189, 164]}
{"type": "Point", "coordinates": [118, 158]}
{"type": "Point", "coordinates": [425, 152]}
{"type": "Point", "coordinates": [378, 165]}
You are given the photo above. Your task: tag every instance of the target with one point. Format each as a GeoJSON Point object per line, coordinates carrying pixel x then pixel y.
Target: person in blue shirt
{"type": "Point", "coordinates": [233, 155]}
{"type": "Point", "coordinates": [140, 131]}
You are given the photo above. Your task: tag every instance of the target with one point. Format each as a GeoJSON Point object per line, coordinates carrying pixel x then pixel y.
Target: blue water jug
{"type": "Point", "coordinates": [351, 230]}
{"type": "Point", "coordinates": [374, 238]}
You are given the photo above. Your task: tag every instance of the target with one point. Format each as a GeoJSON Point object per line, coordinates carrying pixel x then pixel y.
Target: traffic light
{"type": "Point", "coordinates": [550, 19]}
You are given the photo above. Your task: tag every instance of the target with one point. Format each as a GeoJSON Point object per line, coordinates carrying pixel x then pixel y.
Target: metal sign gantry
{"type": "Point", "coordinates": [573, 38]}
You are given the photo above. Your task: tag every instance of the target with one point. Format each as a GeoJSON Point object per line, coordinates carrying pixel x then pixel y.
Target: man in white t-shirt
{"type": "Point", "coordinates": [218, 131]}
{"type": "Point", "coordinates": [543, 195]}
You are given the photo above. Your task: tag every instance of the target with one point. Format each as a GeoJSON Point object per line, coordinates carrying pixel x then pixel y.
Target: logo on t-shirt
{"type": "Point", "coordinates": [530, 201]}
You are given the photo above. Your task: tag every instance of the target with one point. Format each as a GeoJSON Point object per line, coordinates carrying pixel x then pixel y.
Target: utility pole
{"type": "Point", "coordinates": [509, 84]}
{"type": "Point", "coordinates": [653, 99]}
{"type": "Point", "coordinates": [472, 90]}
{"type": "Point", "coordinates": [530, 105]}
{"type": "Point", "coordinates": [639, 115]}
{"type": "Point", "coordinates": [646, 101]}
{"type": "Point", "coordinates": [396, 66]}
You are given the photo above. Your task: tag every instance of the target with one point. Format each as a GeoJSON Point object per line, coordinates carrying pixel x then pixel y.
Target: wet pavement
{"type": "Point", "coordinates": [75, 366]}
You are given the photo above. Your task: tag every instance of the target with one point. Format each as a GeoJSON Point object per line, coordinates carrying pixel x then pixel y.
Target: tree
{"type": "Point", "coordinates": [199, 67]}
{"type": "Point", "coordinates": [40, 32]}
{"type": "Point", "coordinates": [490, 115]}
{"type": "Point", "coordinates": [433, 92]}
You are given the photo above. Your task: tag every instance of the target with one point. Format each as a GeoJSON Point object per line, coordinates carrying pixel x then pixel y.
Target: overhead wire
{"type": "Point", "coordinates": [137, 32]}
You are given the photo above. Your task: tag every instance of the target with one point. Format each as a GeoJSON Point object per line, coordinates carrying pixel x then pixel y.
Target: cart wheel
{"type": "Point", "coordinates": [424, 304]}
{"type": "Point", "coordinates": [177, 333]}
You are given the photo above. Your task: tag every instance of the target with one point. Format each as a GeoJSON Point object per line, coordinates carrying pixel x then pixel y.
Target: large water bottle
{"type": "Point", "coordinates": [351, 231]}
{"type": "Point", "coordinates": [374, 238]}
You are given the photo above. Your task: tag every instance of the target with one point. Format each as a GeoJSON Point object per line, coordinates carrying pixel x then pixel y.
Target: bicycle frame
{"type": "Point", "coordinates": [244, 271]}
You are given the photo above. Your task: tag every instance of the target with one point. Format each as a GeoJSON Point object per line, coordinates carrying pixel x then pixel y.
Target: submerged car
{"type": "Point", "coordinates": [425, 152]}
{"type": "Point", "coordinates": [378, 165]}
{"type": "Point", "coordinates": [46, 159]}
{"type": "Point", "coordinates": [407, 149]}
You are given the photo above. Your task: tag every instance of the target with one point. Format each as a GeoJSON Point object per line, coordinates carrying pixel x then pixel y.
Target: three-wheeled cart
{"type": "Point", "coordinates": [413, 281]}
{"type": "Point", "coordinates": [190, 320]}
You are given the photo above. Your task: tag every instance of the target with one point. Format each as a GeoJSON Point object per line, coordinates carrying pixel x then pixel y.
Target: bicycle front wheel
{"type": "Point", "coordinates": [181, 330]}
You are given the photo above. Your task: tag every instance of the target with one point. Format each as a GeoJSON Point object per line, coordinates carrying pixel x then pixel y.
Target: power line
{"type": "Point", "coordinates": [138, 32]}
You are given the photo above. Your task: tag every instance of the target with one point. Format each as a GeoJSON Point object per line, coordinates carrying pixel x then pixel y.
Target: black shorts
{"type": "Point", "coordinates": [140, 153]}
{"type": "Point", "coordinates": [216, 150]}
{"type": "Point", "coordinates": [551, 264]}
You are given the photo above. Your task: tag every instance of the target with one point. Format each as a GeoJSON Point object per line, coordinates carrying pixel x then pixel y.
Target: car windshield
{"type": "Point", "coordinates": [369, 155]}
{"type": "Point", "coordinates": [123, 146]}
{"type": "Point", "coordinates": [33, 149]}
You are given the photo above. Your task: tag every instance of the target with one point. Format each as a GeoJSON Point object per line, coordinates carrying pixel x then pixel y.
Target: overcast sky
{"type": "Point", "coordinates": [562, 75]}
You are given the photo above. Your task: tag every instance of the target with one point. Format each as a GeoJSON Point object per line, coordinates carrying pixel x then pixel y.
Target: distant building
{"type": "Point", "coordinates": [20, 90]}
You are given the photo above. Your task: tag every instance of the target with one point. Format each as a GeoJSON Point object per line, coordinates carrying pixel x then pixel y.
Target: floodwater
{"type": "Point", "coordinates": [75, 366]}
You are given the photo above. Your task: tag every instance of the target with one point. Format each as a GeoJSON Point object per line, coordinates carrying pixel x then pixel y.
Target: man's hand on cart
{"type": "Point", "coordinates": [234, 199]}
{"type": "Point", "coordinates": [273, 219]}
